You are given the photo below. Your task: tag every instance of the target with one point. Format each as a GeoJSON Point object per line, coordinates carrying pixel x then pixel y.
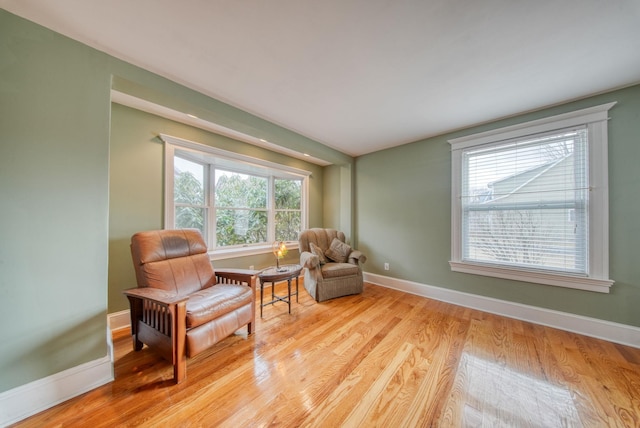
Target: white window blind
{"type": "Point", "coordinates": [524, 202]}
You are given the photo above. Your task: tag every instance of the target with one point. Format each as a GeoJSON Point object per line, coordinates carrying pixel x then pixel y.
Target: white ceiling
{"type": "Point", "coordinates": [364, 75]}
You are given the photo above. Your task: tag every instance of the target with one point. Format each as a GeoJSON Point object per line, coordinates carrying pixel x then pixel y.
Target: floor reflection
{"type": "Point", "coordinates": [497, 395]}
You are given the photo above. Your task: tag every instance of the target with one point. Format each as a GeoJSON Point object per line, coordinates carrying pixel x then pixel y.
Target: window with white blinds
{"type": "Point", "coordinates": [530, 201]}
{"type": "Point", "coordinates": [524, 202]}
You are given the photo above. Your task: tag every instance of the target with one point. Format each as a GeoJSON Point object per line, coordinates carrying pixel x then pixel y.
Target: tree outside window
{"type": "Point", "coordinates": [288, 209]}
{"type": "Point", "coordinates": [245, 209]}
{"type": "Point", "coordinates": [189, 195]}
{"type": "Point", "coordinates": [241, 209]}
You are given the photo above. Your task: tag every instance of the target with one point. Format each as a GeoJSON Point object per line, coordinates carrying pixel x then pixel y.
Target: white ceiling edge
{"type": "Point", "coordinates": [181, 117]}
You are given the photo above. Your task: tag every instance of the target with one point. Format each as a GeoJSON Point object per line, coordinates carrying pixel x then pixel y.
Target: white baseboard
{"type": "Point", "coordinates": [607, 330]}
{"type": "Point", "coordinates": [27, 400]}
{"type": "Point", "coordinates": [119, 321]}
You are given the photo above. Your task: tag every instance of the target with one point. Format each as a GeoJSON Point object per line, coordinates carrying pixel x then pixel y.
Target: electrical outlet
{"type": "Point", "coordinates": [251, 267]}
{"type": "Point", "coordinates": [386, 266]}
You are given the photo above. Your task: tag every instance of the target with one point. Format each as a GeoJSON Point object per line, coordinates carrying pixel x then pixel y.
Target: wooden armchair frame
{"type": "Point", "coordinates": [158, 318]}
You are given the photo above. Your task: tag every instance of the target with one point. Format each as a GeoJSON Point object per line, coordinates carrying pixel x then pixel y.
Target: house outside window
{"type": "Point", "coordinates": [240, 204]}
{"type": "Point", "coordinates": [530, 201]}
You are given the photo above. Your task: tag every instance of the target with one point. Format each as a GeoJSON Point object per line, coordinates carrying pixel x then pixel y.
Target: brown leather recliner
{"type": "Point", "coordinates": [182, 306]}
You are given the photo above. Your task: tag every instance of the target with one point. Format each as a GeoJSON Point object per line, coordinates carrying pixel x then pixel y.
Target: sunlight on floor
{"type": "Point", "coordinates": [497, 394]}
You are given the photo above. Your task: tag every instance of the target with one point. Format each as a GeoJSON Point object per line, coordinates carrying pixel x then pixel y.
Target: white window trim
{"type": "Point", "coordinates": [175, 143]}
{"type": "Point", "coordinates": [595, 118]}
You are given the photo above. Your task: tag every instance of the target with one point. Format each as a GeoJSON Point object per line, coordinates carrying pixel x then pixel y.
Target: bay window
{"type": "Point", "coordinates": [240, 204]}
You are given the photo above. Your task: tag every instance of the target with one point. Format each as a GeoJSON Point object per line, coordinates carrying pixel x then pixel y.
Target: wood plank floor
{"type": "Point", "coordinates": [384, 358]}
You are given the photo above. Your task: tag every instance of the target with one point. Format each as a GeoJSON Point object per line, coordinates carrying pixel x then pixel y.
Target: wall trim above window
{"type": "Point", "coordinates": [564, 120]}
{"type": "Point", "coordinates": [476, 216]}
{"type": "Point", "coordinates": [181, 142]}
{"type": "Point", "coordinates": [145, 105]}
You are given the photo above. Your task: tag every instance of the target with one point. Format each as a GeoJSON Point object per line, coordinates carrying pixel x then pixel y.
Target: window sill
{"type": "Point", "coordinates": [577, 282]}
{"type": "Point", "coordinates": [253, 250]}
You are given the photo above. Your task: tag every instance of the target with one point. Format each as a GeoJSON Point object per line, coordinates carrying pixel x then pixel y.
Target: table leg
{"type": "Point", "coordinates": [289, 293]}
{"type": "Point", "coordinates": [296, 289]}
{"type": "Point", "coordinates": [261, 294]}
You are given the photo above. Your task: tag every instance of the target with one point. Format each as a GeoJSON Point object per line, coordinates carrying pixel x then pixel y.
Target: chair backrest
{"type": "Point", "coordinates": [321, 237]}
{"type": "Point", "coordinates": [172, 260]}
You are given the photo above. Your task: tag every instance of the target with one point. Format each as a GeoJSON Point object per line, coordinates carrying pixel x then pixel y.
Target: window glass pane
{"type": "Point", "coordinates": [240, 226]}
{"type": "Point", "coordinates": [188, 182]}
{"type": "Point", "coordinates": [502, 170]}
{"type": "Point", "coordinates": [288, 225]}
{"type": "Point", "coordinates": [189, 194]}
{"type": "Point", "coordinates": [190, 217]}
{"type": "Point", "coordinates": [525, 202]}
{"type": "Point", "coordinates": [235, 190]}
{"type": "Point", "coordinates": [288, 194]}
{"type": "Point", "coordinates": [543, 238]}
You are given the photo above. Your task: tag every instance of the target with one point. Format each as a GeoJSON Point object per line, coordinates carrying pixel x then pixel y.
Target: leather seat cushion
{"type": "Point", "coordinates": [213, 302]}
{"type": "Point", "coordinates": [335, 270]}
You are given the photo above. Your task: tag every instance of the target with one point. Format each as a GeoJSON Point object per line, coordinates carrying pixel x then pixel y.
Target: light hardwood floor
{"type": "Point", "coordinates": [384, 358]}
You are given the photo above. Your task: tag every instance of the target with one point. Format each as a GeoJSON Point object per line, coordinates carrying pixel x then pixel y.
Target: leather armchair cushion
{"type": "Point", "coordinates": [336, 270]}
{"type": "Point", "coordinates": [213, 302]}
{"type": "Point", "coordinates": [172, 260]}
{"type": "Point", "coordinates": [182, 276]}
{"type": "Point", "coordinates": [153, 246]}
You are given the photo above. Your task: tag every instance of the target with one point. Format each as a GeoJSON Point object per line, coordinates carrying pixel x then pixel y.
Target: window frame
{"type": "Point", "coordinates": [235, 162]}
{"type": "Point", "coordinates": [595, 119]}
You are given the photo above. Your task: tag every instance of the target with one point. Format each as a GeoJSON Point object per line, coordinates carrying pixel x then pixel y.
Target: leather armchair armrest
{"type": "Point", "coordinates": [357, 257]}
{"type": "Point", "coordinates": [309, 260]}
{"type": "Point", "coordinates": [175, 306]}
{"type": "Point", "coordinates": [155, 295]}
{"type": "Point", "coordinates": [243, 275]}
{"type": "Point", "coordinates": [229, 275]}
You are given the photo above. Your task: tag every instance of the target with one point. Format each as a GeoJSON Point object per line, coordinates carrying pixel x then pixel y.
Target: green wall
{"type": "Point", "coordinates": [136, 191]}
{"type": "Point", "coordinates": [403, 208]}
{"type": "Point", "coordinates": [54, 122]}
{"type": "Point", "coordinates": [59, 249]}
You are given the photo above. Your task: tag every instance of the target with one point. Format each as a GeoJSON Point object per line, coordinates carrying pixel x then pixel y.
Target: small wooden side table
{"type": "Point", "coordinates": [273, 275]}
